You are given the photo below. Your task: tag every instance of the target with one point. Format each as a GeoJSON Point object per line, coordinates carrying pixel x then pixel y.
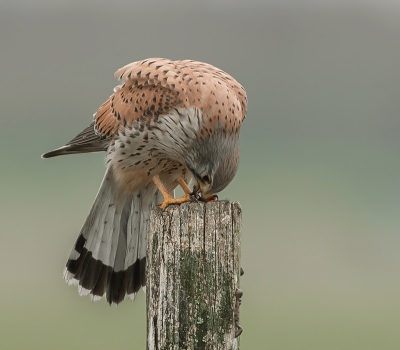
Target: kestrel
{"type": "Point", "coordinates": [169, 122]}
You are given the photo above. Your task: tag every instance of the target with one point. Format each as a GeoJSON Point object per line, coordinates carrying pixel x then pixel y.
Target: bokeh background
{"type": "Point", "coordinates": [319, 180]}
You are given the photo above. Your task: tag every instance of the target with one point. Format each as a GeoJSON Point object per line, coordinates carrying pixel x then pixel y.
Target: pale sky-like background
{"type": "Point", "coordinates": [319, 179]}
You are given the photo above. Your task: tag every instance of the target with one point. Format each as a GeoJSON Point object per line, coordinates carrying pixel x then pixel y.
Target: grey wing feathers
{"type": "Point", "coordinates": [85, 142]}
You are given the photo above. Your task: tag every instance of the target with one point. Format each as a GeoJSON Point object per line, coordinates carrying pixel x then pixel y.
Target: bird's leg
{"type": "Point", "coordinates": [184, 186]}
{"type": "Point", "coordinates": [168, 199]}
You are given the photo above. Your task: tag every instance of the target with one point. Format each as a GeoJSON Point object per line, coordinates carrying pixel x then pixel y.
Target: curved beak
{"type": "Point", "coordinates": [202, 195]}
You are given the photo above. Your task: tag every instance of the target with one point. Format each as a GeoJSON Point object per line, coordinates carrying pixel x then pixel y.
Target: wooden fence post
{"type": "Point", "coordinates": [193, 269]}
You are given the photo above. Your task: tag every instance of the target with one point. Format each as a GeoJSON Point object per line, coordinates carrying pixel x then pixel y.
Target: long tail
{"type": "Point", "coordinates": [109, 255]}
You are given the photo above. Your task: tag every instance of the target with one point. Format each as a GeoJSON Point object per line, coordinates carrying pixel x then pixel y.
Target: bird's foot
{"type": "Point", "coordinates": [168, 199]}
{"type": "Point", "coordinates": [238, 329]}
{"type": "Point", "coordinates": [189, 196]}
{"type": "Point", "coordinates": [171, 200]}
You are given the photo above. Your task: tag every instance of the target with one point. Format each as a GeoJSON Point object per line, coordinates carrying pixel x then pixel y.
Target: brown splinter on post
{"type": "Point", "coordinates": [238, 295]}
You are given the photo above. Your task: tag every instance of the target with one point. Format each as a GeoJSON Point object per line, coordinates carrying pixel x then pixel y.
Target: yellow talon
{"type": "Point", "coordinates": [168, 199]}
{"type": "Point", "coordinates": [171, 200]}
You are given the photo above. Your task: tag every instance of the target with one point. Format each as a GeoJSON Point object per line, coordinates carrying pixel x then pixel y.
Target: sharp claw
{"type": "Point", "coordinates": [164, 205]}
{"type": "Point", "coordinates": [194, 197]}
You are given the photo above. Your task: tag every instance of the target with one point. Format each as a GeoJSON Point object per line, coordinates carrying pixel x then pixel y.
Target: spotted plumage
{"type": "Point", "coordinates": [167, 123]}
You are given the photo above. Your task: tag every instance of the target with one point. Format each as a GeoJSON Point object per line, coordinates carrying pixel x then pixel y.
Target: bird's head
{"type": "Point", "coordinates": [213, 161]}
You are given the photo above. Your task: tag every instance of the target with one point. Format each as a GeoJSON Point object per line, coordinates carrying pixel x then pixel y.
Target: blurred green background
{"type": "Point", "coordinates": [319, 180]}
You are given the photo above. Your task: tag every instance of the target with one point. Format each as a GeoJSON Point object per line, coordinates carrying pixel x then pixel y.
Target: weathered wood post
{"type": "Point", "coordinates": [193, 269]}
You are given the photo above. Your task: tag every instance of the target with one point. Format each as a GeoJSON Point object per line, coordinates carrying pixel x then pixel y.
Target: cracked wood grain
{"type": "Point", "coordinates": [193, 270]}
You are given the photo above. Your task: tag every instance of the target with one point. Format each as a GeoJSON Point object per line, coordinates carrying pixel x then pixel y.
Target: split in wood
{"type": "Point", "coordinates": [186, 246]}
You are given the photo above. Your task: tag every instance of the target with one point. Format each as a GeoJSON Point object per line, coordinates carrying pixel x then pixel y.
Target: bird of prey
{"type": "Point", "coordinates": [168, 122]}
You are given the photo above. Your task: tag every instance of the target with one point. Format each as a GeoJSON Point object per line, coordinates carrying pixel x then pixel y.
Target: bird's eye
{"type": "Point", "coordinates": [206, 179]}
